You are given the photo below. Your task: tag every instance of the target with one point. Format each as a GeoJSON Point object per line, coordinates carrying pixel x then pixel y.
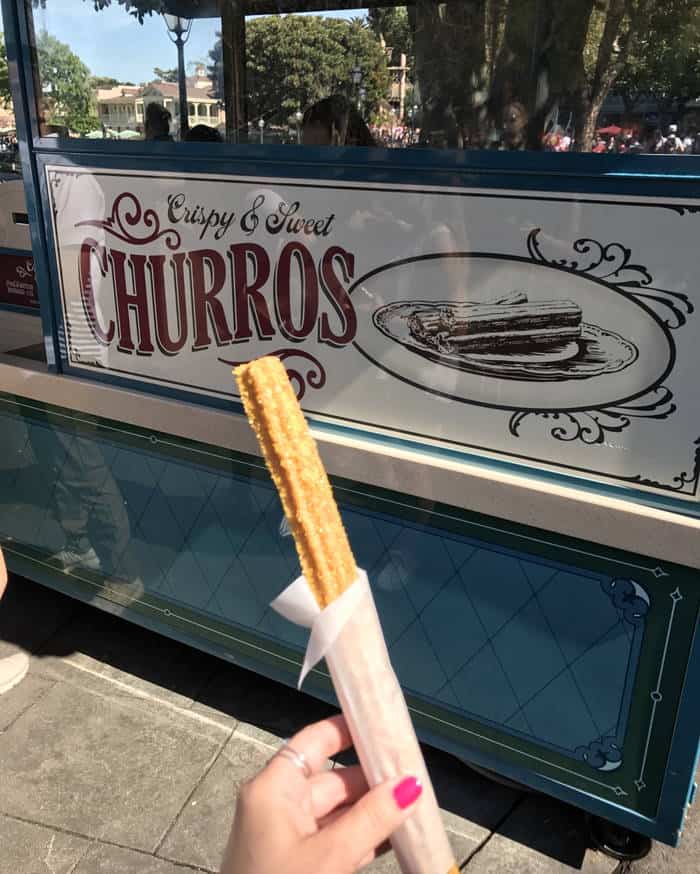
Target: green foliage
{"type": "Point", "coordinates": [665, 62]}
{"type": "Point", "coordinates": [5, 95]}
{"type": "Point", "coordinates": [393, 26]}
{"type": "Point", "coordinates": [294, 61]}
{"type": "Point", "coordinates": [66, 85]}
{"type": "Point", "coordinates": [165, 75]}
{"type": "Point", "coordinates": [106, 82]}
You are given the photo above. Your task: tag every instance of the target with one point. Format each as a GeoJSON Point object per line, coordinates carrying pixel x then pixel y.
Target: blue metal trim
{"type": "Point", "coordinates": [684, 754]}
{"type": "Point", "coordinates": [454, 160]}
{"type": "Point", "coordinates": [21, 252]}
{"type": "Point", "coordinates": [21, 82]}
{"type": "Point", "coordinates": [647, 175]}
{"type": "Point", "coordinates": [16, 308]}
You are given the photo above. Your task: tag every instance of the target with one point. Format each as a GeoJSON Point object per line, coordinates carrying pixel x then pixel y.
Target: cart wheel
{"type": "Point", "coordinates": [497, 778]}
{"type": "Point", "coordinates": [616, 841]}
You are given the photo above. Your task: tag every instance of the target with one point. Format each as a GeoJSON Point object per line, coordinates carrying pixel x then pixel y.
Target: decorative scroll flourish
{"type": "Point", "coordinates": [612, 264]}
{"type": "Point", "coordinates": [656, 695]}
{"type": "Point", "coordinates": [25, 271]}
{"type": "Point", "coordinates": [128, 214]}
{"type": "Point", "coordinates": [629, 598]}
{"type": "Point", "coordinates": [603, 754]}
{"type": "Point", "coordinates": [682, 210]}
{"type": "Point", "coordinates": [314, 377]}
{"type": "Point", "coordinates": [679, 482]}
{"type": "Point", "coordinates": [594, 426]}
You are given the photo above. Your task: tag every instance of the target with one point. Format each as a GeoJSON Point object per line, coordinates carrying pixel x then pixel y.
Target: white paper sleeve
{"type": "Point", "coordinates": [349, 635]}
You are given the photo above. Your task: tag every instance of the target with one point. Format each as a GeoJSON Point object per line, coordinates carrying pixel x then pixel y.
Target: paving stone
{"type": "Point", "coordinates": [107, 859]}
{"type": "Point", "coordinates": [472, 805]}
{"type": "Point", "coordinates": [684, 859]}
{"type": "Point", "coordinates": [33, 849]}
{"type": "Point", "coordinates": [199, 836]}
{"type": "Point", "coordinates": [251, 698]}
{"type": "Point", "coordinates": [104, 645]}
{"type": "Point", "coordinates": [541, 836]}
{"type": "Point", "coordinates": [387, 864]}
{"type": "Point", "coordinates": [21, 698]}
{"type": "Point", "coordinates": [102, 768]}
{"type": "Point", "coordinates": [31, 614]}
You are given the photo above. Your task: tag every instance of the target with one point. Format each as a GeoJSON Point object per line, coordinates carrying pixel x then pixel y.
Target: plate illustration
{"type": "Point", "coordinates": [579, 352]}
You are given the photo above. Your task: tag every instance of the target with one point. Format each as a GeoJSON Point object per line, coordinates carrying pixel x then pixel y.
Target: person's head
{"type": "Point", "coordinates": [202, 133]}
{"type": "Point", "coordinates": [325, 123]}
{"type": "Point", "coordinates": [157, 122]}
{"type": "Point", "coordinates": [358, 133]}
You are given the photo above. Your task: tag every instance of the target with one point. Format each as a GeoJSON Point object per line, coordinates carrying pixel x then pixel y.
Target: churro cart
{"type": "Point", "coordinates": [496, 345]}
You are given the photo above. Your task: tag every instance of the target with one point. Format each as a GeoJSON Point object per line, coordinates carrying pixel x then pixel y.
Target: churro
{"type": "Point", "coordinates": [358, 660]}
{"type": "Point", "coordinates": [297, 470]}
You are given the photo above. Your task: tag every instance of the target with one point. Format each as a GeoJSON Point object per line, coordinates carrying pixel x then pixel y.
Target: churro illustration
{"type": "Point", "coordinates": [364, 681]}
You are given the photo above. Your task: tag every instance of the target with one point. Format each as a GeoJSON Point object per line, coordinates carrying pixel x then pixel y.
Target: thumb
{"type": "Point", "coordinates": [348, 841]}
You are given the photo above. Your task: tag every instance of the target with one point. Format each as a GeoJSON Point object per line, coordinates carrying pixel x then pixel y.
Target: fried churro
{"type": "Point", "coordinates": [358, 660]}
{"type": "Point", "coordinates": [297, 470]}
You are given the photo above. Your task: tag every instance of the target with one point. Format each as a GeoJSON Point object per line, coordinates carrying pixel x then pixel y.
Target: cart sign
{"type": "Point", "coordinates": [17, 282]}
{"type": "Point", "coordinates": [554, 330]}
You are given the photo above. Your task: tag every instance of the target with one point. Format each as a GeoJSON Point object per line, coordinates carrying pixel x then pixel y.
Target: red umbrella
{"type": "Point", "coordinates": [611, 129]}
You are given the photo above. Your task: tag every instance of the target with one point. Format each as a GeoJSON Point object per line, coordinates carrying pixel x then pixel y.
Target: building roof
{"type": "Point", "coordinates": [198, 90]}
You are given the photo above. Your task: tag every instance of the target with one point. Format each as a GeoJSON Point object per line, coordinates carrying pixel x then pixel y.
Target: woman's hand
{"type": "Point", "coordinates": [295, 817]}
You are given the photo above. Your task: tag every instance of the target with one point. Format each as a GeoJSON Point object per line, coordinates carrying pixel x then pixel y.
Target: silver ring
{"type": "Point", "coordinates": [298, 759]}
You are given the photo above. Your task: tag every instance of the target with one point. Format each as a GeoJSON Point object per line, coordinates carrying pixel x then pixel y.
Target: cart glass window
{"type": "Point", "coordinates": [575, 75]}
{"type": "Point", "coordinates": [20, 329]}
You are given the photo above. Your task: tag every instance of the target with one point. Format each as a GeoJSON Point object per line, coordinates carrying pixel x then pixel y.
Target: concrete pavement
{"type": "Point", "coordinates": [122, 752]}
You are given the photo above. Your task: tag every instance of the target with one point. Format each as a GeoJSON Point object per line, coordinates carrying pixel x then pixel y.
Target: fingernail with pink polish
{"type": "Point", "coordinates": [407, 792]}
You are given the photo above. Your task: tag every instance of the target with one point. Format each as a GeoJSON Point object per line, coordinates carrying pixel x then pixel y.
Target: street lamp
{"type": "Point", "coordinates": [356, 74]}
{"type": "Point", "coordinates": [179, 32]}
{"type": "Point", "coordinates": [299, 116]}
{"type": "Point", "coordinates": [261, 126]}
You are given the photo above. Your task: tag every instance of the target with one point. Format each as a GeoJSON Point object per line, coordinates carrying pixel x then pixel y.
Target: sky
{"type": "Point", "coordinates": [112, 43]}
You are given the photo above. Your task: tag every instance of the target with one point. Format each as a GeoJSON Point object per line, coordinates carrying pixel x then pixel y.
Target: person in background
{"type": "Point", "coordinates": [157, 123]}
{"type": "Point", "coordinates": [202, 133]}
{"type": "Point", "coordinates": [334, 121]}
{"type": "Point", "coordinates": [13, 669]}
{"type": "Point", "coordinates": [298, 817]}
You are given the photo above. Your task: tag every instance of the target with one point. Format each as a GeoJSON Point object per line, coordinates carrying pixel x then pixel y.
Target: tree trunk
{"type": "Point", "coordinates": [450, 48]}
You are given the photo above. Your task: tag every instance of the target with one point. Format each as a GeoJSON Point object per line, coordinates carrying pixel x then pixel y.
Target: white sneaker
{"type": "Point", "coordinates": [13, 669]}
{"type": "Point", "coordinates": [70, 559]}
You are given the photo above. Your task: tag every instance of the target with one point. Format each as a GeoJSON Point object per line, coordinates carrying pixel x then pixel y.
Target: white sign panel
{"type": "Point", "coordinates": [551, 329]}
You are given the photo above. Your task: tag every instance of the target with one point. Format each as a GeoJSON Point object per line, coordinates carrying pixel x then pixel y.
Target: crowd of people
{"type": "Point", "coordinates": [618, 141]}
{"type": "Point", "coordinates": [9, 151]}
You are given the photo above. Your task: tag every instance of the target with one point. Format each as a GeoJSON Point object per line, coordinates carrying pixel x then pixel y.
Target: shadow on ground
{"type": "Point", "coordinates": [53, 626]}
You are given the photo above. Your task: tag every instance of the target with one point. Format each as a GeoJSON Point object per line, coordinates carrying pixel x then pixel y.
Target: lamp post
{"type": "Point", "coordinates": [356, 74]}
{"type": "Point", "coordinates": [179, 32]}
{"type": "Point", "coordinates": [261, 127]}
{"type": "Point", "coordinates": [299, 116]}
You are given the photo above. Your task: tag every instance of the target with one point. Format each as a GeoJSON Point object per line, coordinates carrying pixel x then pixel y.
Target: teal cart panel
{"type": "Point", "coordinates": [557, 662]}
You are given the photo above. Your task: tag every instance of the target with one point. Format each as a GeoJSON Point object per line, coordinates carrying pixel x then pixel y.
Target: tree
{"type": "Point", "coordinates": [294, 61]}
{"type": "Point", "coordinates": [165, 75]}
{"type": "Point", "coordinates": [66, 84]}
{"type": "Point", "coordinates": [106, 82]}
{"type": "Point", "coordinates": [508, 65]}
{"type": "Point", "coordinates": [392, 25]}
{"type": "Point", "coordinates": [665, 65]}
{"type": "Point", "coordinates": [5, 95]}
